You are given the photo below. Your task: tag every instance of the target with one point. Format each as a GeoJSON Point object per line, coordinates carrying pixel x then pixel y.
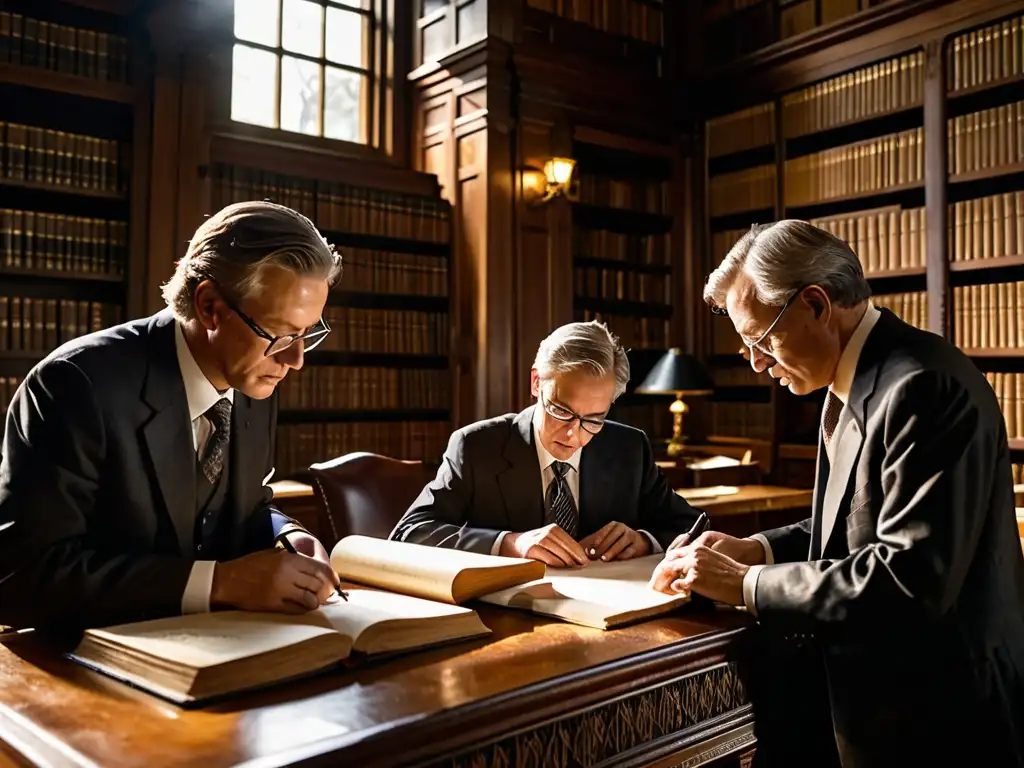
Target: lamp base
{"type": "Point", "coordinates": [677, 443]}
{"type": "Point", "coordinates": [676, 447]}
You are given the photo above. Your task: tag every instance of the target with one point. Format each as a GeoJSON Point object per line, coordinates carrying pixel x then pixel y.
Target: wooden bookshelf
{"type": "Point", "coordinates": [853, 162]}
{"type": "Point", "coordinates": [68, 182]}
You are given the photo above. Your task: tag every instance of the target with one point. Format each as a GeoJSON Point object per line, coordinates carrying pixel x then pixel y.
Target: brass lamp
{"type": "Point", "coordinates": [677, 373]}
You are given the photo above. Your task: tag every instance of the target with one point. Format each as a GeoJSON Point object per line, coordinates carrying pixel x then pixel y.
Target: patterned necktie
{"type": "Point", "coordinates": [830, 417]}
{"type": "Point", "coordinates": [219, 415]}
{"type": "Point", "coordinates": [559, 502]}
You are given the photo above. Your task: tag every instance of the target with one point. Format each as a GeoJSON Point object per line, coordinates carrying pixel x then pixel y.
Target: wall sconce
{"type": "Point", "coordinates": [556, 179]}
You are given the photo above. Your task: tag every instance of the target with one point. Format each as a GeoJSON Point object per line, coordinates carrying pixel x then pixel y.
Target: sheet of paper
{"type": "Point", "coordinates": [710, 492]}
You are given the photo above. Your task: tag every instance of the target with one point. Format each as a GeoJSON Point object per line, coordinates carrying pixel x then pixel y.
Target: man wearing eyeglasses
{"type": "Point", "coordinates": [907, 580]}
{"type": "Point", "coordinates": [135, 460]}
{"type": "Point", "coordinates": [557, 482]}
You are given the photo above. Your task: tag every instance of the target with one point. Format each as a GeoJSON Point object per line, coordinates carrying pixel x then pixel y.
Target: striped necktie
{"type": "Point", "coordinates": [559, 502]}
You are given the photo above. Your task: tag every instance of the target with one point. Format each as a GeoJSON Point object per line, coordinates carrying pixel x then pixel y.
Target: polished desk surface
{"type": "Point", "coordinates": [291, 489]}
{"type": "Point", "coordinates": [419, 705]}
{"type": "Point", "coordinates": [750, 498]}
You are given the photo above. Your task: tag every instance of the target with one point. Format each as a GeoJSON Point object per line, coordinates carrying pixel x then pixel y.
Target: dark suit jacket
{"type": "Point", "coordinates": [909, 572]}
{"type": "Point", "coordinates": [98, 481]}
{"type": "Point", "coordinates": [490, 481]}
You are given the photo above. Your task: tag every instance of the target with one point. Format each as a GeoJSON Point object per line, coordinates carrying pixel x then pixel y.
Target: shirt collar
{"type": "Point", "coordinates": [199, 392]}
{"type": "Point", "coordinates": [848, 360]}
{"type": "Point", "coordinates": [545, 458]}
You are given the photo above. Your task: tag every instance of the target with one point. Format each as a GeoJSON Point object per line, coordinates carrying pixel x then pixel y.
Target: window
{"type": "Point", "coordinates": [304, 66]}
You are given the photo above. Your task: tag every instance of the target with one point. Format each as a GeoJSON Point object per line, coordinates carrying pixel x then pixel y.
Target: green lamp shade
{"type": "Point", "coordinates": [677, 373]}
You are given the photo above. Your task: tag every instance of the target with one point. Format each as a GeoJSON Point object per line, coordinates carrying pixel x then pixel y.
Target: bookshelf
{"type": "Point", "coordinates": [622, 264]}
{"type": "Point", "coordinates": [73, 171]}
{"type": "Point", "coordinates": [852, 159]}
{"type": "Point", "coordinates": [381, 381]}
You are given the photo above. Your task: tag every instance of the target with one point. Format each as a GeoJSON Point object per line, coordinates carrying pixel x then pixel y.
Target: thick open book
{"type": "Point", "coordinates": [194, 658]}
{"type": "Point", "coordinates": [600, 595]}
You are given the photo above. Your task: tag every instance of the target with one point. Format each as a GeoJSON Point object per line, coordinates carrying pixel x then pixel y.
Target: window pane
{"type": "Point", "coordinates": [429, 6]}
{"type": "Point", "coordinates": [345, 37]}
{"type": "Point", "coordinates": [253, 86]}
{"type": "Point", "coordinates": [343, 110]}
{"type": "Point", "coordinates": [302, 31]}
{"type": "Point", "coordinates": [256, 21]}
{"type": "Point", "coordinates": [472, 21]}
{"type": "Point", "coordinates": [300, 95]}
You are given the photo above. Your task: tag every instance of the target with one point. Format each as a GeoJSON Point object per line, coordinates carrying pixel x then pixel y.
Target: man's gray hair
{"type": "Point", "coordinates": [235, 245]}
{"type": "Point", "coordinates": [782, 258]}
{"type": "Point", "coordinates": [590, 347]}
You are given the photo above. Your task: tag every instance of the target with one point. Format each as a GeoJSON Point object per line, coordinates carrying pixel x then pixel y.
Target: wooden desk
{"type": "Point", "coordinates": [537, 693]}
{"type": "Point", "coordinates": [755, 508]}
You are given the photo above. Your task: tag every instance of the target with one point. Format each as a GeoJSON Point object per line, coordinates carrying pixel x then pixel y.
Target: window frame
{"type": "Point", "coordinates": [370, 94]}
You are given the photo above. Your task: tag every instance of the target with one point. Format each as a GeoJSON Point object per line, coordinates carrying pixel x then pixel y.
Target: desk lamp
{"type": "Point", "coordinates": [677, 373]}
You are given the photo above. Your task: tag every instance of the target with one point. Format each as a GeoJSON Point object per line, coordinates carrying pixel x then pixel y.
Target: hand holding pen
{"type": "Point", "coordinates": [291, 548]}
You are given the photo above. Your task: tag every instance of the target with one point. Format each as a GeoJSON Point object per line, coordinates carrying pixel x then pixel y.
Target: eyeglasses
{"type": "Point", "coordinates": [560, 413]}
{"type": "Point", "coordinates": [752, 345]}
{"type": "Point", "coordinates": [277, 344]}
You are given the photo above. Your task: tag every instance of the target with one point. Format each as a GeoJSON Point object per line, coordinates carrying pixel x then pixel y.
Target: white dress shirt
{"type": "Point", "coordinates": [572, 478]}
{"type": "Point", "coordinates": [201, 395]}
{"type": "Point", "coordinates": [840, 387]}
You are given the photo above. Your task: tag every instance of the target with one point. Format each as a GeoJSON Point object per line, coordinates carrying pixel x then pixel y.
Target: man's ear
{"type": "Point", "coordinates": [818, 301]}
{"type": "Point", "coordinates": [207, 305]}
{"type": "Point", "coordinates": [534, 383]}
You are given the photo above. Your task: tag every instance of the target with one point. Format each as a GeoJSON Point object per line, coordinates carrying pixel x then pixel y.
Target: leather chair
{"type": "Point", "coordinates": [365, 494]}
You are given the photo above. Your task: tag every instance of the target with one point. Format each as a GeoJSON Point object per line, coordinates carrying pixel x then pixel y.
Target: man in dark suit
{"type": "Point", "coordinates": [908, 578]}
{"type": "Point", "coordinates": [135, 461]}
{"type": "Point", "coordinates": [557, 482]}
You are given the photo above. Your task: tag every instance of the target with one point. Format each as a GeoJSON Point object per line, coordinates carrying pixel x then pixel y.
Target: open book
{"type": "Point", "coordinates": [600, 595]}
{"type": "Point", "coordinates": [194, 658]}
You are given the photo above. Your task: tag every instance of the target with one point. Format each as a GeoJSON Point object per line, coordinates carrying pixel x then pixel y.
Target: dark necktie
{"type": "Point", "coordinates": [219, 415]}
{"type": "Point", "coordinates": [830, 417]}
{"type": "Point", "coordinates": [559, 502]}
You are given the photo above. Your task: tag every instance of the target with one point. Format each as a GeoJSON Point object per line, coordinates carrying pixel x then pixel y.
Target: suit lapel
{"type": "Point", "coordinates": [243, 454]}
{"type": "Point", "coordinates": [821, 478]}
{"type": "Point", "coordinates": [597, 486]}
{"type": "Point", "coordinates": [167, 436]}
{"type": "Point", "coordinates": [520, 481]}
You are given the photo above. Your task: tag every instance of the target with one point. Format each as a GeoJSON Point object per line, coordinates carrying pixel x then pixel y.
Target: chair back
{"type": "Point", "coordinates": [365, 494]}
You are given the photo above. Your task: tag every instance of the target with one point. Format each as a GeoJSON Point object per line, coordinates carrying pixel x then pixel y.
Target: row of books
{"type": "Point", "coordinates": [395, 273]}
{"type": "Point", "coordinates": [46, 156]}
{"type": "Point", "coordinates": [746, 190]}
{"type": "Point", "coordinates": [365, 388]}
{"type": "Point", "coordinates": [655, 420]}
{"type": "Point", "coordinates": [987, 139]}
{"type": "Point", "coordinates": [911, 307]}
{"type": "Point", "coordinates": [635, 249]}
{"type": "Point", "coordinates": [1018, 473]}
{"type": "Point", "coordinates": [39, 325]}
{"type": "Point", "coordinates": [8, 386]}
{"type": "Point", "coordinates": [337, 207]}
{"type": "Point", "coordinates": [387, 331]}
{"type": "Point", "coordinates": [299, 445]}
{"type": "Point", "coordinates": [633, 194]}
{"type": "Point", "coordinates": [738, 375]}
{"type": "Point", "coordinates": [753, 420]}
{"type": "Point", "coordinates": [633, 332]}
{"type": "Point", "coordinates": [741, 130]}
{"type": "Point", "coordinates": [638, 19]}
{"type": "Point", "coordinates": [885, 86]}
{"type": "Point", "coordinates": [33, 240]}
{"type": "Point", "coordinates": [989, 316]}
{"type": "Point", "coordinates": [622, 285]}
{"type": "Point", "coordinates": [1009, 389]}
{"type": "Point", "coordinates": [883, 238]}
{"type": "Point", "coordinates": [986, 55]}
{"type": "Point", "coordinates": [873, 165]}
{"type": "Point", "coordinates": [987, 227]}
{"type": "Point", "coordinates": [32, 42]}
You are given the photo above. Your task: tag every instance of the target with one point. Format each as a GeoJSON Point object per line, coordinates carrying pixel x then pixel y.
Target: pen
{"type": "Point", "coordinates": [703, 521]}
{"type": "Point", "coordinates": [288, 545]}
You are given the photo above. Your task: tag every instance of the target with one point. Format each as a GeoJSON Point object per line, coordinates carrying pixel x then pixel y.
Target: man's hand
{"type": "Point", "coordinates": [309, 545]}
{"type": "Point", "coordinates": [703, 570]}
{"type": "Point", "coordinates": [746, 551]}
{"type": "Point", "coordinates": [550, 545]}
{"type": "Point", "coordinates": [273, 580]}
{"type": "Point", "coordinates": [616, 541]}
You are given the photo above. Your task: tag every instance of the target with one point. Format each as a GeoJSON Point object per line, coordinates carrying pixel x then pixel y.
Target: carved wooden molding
{"type": "Point", "coordinates": [600, 733]}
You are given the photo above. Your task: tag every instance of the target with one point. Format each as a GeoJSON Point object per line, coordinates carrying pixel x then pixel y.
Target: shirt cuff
{"type": "Point", "coordinates": [496, 546]}
{"type": "Point", "coordinates": [196, 598]}
{"type": "Point", "coordinates": [656, 548]}
{"type": "Point", "coordinates": [769, 556]}
{"type": "Point", "coordinates": [750, 588]}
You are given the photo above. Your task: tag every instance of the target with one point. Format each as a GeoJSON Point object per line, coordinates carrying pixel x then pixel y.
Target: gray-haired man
{"type": "Point", "coordinates": [132, 483]}
{"type": "Point", "coordinates": [557, 482]}
{"type": "Point", "coordinates": [909, 572]}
